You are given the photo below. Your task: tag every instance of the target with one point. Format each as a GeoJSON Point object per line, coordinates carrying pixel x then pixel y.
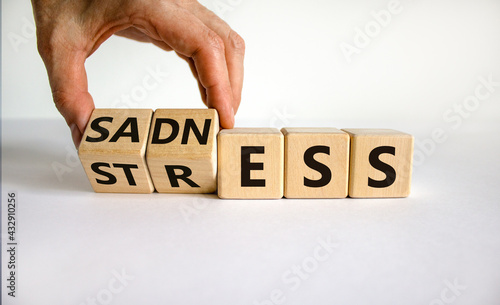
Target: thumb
{"type": "Point", "coordinates": [68, 81]}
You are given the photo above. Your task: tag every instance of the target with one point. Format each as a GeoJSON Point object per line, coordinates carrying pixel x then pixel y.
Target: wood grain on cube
{"type": "Point", "coordinates": [250, 164]}
{"type": "Point", "coordinates": [380, 164]}
{"type": "Point", "coordinates": [113, 150]}
{"type": "Point", "coordinates": [182, 150]}
{"type": "Point", "coordinates": [316, 162]}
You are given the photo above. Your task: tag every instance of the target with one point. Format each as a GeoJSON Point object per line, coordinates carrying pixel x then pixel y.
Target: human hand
{"type": "Point", "coordinates": [70, 31]}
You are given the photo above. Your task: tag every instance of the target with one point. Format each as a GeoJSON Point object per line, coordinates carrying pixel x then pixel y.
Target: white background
{"type": "Point", "coordinates": [425, 62]}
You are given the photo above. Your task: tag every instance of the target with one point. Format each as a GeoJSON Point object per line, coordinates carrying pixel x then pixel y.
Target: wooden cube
{"type": "Point", "coordinates": [316, 162]}
{"type": "Point", "coordinates": [381, 163]}
{"type": "Point", "coordinates": [182, 150]}
{"type": "Point", "coordinates": [113, 150]}
{"type": "Point", "coordinates": [250, 163]}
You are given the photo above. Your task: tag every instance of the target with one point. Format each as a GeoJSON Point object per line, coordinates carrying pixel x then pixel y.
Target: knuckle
{"type": "Point", "coordinates": [215, 42]}
{"type": "Point", "coordinates": [237, 42]}
{"type": "Point", "coordinates": [44, 46]}
{"type": "Point", "coordinates": [48, 45]}
{"type": "Point", "coordinates": [59, 37]}
{"type": "Point", "coordinates": [43, 49]}
{"type": "Point", "coordinates": [61, 99]}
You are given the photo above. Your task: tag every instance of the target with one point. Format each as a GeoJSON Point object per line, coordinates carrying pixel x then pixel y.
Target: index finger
{"type": "Point", "coordinates": [189, 36]}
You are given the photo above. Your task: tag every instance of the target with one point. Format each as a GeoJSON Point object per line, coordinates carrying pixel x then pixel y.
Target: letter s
{"type": "Point", "coordinates": [326, 174]}
{"type": "Point", "coordinates": [96, 127]}
{"type": "Point", "coordinates": [388, 170]}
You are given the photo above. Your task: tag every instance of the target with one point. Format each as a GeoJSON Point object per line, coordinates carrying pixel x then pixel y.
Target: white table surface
{"type": "Point", "coordinates": [198, 249]}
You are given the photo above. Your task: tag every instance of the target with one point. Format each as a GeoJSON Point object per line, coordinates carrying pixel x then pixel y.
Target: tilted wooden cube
{"type": "Point", "coordinates": [182, 150]}
{"type": "Point", "coordinates": [250, 163]}
{"type": "Point", "coordinates": [316, 162]}
{"type": "Point", "coordinates": [380, 164]}
{"type": "Point", "coordinates": [113, 150]}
